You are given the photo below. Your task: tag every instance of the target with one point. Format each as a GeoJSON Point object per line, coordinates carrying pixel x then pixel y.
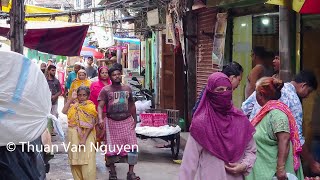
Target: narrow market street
{"type": "Point", "coordinates": [159, 89]}
{"type": "Point", "coordinates": [154, 163]}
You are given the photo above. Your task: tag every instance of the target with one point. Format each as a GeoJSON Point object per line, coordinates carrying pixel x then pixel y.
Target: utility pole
{"type": "Point", "coordinates": [17, 26]}
{"type": "Point", "coordinates": [285, 46]}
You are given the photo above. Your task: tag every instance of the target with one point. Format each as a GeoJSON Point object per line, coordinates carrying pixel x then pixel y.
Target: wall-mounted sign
{"type": "Point", "coordinates": [153, 17]}
{"type": "Point", "coordinates": [104, 36]}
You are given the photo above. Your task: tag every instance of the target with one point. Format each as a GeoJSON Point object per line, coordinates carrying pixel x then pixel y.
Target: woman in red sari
{"type": "Point", "coordinates": [95, 88]}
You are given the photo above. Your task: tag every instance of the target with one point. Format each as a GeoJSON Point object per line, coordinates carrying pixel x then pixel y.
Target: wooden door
{"type": "Point", "coordinates": [167, 98]}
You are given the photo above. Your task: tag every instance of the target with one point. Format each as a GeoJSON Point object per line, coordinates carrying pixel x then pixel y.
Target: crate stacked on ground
{"type": "Point", "coordinates": [160, 117]}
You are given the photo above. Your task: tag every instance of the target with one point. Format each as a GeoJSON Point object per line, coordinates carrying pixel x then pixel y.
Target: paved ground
{"type": "Point", "coordinates": [154, 163]}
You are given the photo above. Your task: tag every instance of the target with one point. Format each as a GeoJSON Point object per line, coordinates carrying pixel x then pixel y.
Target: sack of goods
{"type": "Point", "coordinates": [25, 99]}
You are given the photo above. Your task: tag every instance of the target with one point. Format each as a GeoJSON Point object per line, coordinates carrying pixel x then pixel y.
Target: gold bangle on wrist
{"type": "Point", "coordinates": [280, 168]}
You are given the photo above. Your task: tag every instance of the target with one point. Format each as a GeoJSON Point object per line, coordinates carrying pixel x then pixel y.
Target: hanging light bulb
{"type": "Point", "coordinates": [265, 21]}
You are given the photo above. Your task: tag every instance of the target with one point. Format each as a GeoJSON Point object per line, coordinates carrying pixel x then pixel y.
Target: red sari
{"type": "Point", "coordinates": [95, 89]}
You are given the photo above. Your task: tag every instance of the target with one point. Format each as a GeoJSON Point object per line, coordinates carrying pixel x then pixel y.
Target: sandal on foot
{"type": "Point", "coordinates": [132, 176]}
{"type": "Point", "coordinates": [108, 165]}
{"type": "Point", "coordinates": [112, 176]}
{"type": "Point", "coordinates": [163, 146]}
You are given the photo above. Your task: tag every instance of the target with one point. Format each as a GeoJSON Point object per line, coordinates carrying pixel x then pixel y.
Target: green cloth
{"type": "Point", "coordinates": [267, 147]}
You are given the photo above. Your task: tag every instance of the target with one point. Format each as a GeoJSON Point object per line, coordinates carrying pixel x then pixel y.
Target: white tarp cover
{"type": "Point", "coordinates": [157, 131]}
{"type": "Point", "coordinates": [25, 99]}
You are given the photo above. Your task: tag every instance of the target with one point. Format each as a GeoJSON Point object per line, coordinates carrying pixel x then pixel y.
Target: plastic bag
{"type": "Point", "coordinates": [142, 106]}
{"type": "Point", "coordinates": [25, 99]}
{"type": "Point", "coordinates": [289, 176]}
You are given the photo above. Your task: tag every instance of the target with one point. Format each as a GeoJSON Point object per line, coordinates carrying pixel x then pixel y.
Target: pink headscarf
{"type": "Point", "coordinates": [217, 125]}
{"type": "Point", "coordinates": [97, 86]}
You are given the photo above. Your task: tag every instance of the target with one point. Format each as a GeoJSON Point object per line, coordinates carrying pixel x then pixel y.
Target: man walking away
{"type": "Point", "coordinates": [90, 69]}
{"type": "Point", "coordinates": [120, 123]}
{"type": "Point", "coordinates": [55, 88]}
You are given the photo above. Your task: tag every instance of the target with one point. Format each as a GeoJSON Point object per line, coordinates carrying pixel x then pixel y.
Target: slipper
{"type": "Point", "coordinates": [177, 161]}
{"type": "Point", "coordinates": [163, 146]}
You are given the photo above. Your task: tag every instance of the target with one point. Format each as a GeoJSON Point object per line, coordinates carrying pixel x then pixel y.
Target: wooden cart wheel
{"type": "Point", "coordinates": [175, 146]}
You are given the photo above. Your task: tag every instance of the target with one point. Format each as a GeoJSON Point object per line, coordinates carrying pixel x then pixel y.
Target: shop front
{"type": "Point", "coordinates": [250, 23]}
{"type": "Point", "coordinates": [250, 28]}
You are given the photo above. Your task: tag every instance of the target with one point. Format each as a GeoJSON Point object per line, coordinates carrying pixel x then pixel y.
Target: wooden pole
{"type": "Point", "coordinates": [17, 26]}
{"type": "Point", "coordinates": [285, 44]}
{"type": "Point", "coordinates": [191, 63]}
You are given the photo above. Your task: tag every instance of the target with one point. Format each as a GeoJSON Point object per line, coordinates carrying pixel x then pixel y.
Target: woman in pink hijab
{"type": "Point", "coordinates": [95, 89]}
{"type": "Point", "coordinates": [221, 144]}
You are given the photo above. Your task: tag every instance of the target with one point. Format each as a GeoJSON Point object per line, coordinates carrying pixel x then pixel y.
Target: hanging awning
{"type": "Point", "coordinates": [301, 6]}
{"type": "Point", "coordinates": [64, 39]}
{"type": "Point", "coordinates": [232, 3]}
{"type": "Point", "coordinates": [306, 6]}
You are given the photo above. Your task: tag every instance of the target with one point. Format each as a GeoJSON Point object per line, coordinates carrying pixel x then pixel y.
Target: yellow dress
{"type": "Point", "coordinates": [77, 83]}
{"type": "Point", "coordinates": [82, 159]}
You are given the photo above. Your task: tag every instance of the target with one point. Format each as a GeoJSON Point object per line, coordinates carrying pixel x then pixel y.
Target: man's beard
{"type": "Point", "coordinates": [116, 83]}
{"type": "Point", "coordinates": [43, 70]}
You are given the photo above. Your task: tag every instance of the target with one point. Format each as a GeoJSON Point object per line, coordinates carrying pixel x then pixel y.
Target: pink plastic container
{"type": "Point", "coordinates": [146, 119]}
{"type": "Point", "coordinates": [160, 119]}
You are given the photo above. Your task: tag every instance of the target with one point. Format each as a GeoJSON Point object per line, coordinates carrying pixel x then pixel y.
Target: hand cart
{"type": "Point", "coordinates": [174, 138]}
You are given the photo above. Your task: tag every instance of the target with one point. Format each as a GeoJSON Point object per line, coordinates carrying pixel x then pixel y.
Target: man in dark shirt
{"type": "Point", "coordinates": [90, 69]}
{"type": "Point", "coordinates": [120, 123]}
{"type": "Point", "coordinates": [55, 88]}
